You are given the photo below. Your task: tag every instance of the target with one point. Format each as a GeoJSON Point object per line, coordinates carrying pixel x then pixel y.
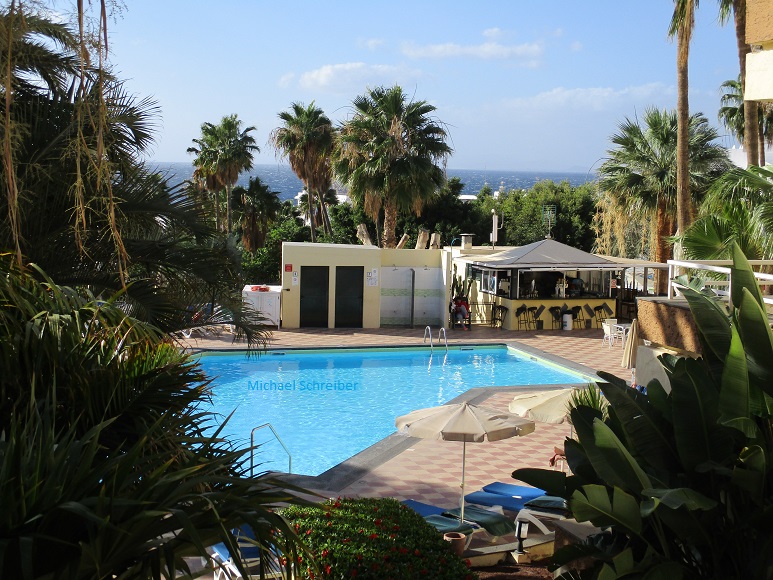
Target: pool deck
{"type": "Point", "coordinates": [429, 471]}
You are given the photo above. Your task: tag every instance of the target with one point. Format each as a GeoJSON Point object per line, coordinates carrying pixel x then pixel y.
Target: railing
{"type": "Point", "coordinates": [445, 338]}
{"type": "Point", "coordinates": [718, 267]}
{"type": "Point", "coordinates": [278, 438]}
{"type": "Point", "coordinates": [428, 332]}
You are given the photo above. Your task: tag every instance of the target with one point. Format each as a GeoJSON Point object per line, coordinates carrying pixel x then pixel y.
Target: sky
{"type": "Point", "coordinates": [521, 85]}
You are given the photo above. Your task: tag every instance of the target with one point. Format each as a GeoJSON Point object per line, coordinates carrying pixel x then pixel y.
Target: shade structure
{"type": "Point", "coordinates": [463, 422]}
{"type": "Point", "coordinates": [631, 344]}
{"type": "Point", "coordinates": [547, 406]}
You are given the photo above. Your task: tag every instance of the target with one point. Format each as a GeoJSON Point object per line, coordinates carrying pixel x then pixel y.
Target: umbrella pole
{"type": "Point", "coordinates": [461, 501]}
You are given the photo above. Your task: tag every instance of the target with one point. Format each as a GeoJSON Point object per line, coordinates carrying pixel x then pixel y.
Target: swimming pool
{"type": "Point", "coordinates": [328, 405]}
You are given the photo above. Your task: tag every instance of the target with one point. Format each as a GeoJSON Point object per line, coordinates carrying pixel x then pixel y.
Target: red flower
{"type": "Point", "coordinates": [468, 577]}
{"type": "Point", "coordinates": [328, 569]}
{"type": "Point", "coordinates": [308, 532]}
{"type": "Point", "coordinates": [403, 550]}
{"type": "Point", "coordinates": [297, 527]}
{"type": "Point", "coordinates": [391, 536]}
{"type": "Point", "coordinates": [373, 536]}
{"type": "Point", "coordinates": [324, 553]}
{"type": "Point", "coordinates": [416, 552]}
{"type": "Point", "coordinates": [359, 557]}
{"type": "Point", "coordinates": [283, 561]}
{"type": "Point", "coordinates": [395, 527]}
{"type": "Point", "coordinates": [346, 540]}
{"type": "Point", "coordinates": [300, 559]}
{"type": "Point", "coordinates": [377, 522]}
{"type": "Point", "coordinates": [468, 562]}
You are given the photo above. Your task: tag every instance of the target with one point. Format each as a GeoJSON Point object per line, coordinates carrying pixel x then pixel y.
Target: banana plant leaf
{"type": "Point", "coordinates": [734, 395]}
{"type": "Point", "coordinates": [698, 437]}
{"type": "Point", "coordinates": [742, 277]}
{"type": "Point", "coordinates": [712, 321]}
{"type": "Point", "coordinates": [757, 338]}
{"type": "Point", "coordinates": [649, 434]}
{"type": "Point", "coordinates": [592, 503]}
{"type": "Point", "coordinates": [676, 498]}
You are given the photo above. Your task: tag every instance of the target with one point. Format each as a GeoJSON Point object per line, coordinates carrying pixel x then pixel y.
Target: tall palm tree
{"type": "Point", "coordinates": [639, 172]}
{"type": "Point", "coordinates": [750, 108]}
{"type": "Point", "coordinates": [389, 154]}
{"type": "Point", "coordinates": [306, 138]}
{"type": "Point", "coordinates": [223, 152]}
{"type": "Point", "coordinates": [682, 25]}
{"type": "Point", "coordinates": [37, 55]}
{"type": "Point", "coordinates": [258, 206]}
{"type": "Point", "coordinates": [732, 116]}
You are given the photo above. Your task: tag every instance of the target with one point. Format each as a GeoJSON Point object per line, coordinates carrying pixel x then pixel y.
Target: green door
{"type": "Point", "coordinates": [314, 295]}
{"type": "Point", "coordinates": [349, 292]}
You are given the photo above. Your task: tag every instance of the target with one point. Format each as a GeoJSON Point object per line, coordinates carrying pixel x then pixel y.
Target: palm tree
{"type": "Point", "coordinates": [37, 56]}
{"type": "Point", "coordinates": [135, 476]}
{"type": "Point", "coordinates": [259, 206]}
{"type": "Point", "coordinates": [223, 152]}
{"type": "Point", "coordinates": [682, 25]}
{"type": "Point", "coordinates": [389, 154]}
{"type": "Point", "coordinates": [640, 176]}
{"type": "Point", "coordinates": [306, 139]}
{"type": "Point", "coordinates": [750, 108]}
{"type": "Point", "coordinates": [732, 116]}
{"type": "Point", "coordinates": [737, 209]}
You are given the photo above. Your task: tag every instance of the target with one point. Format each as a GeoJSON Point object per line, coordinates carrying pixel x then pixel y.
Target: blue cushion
{"type": "Point", "coordinates": [495, 499]}
{"type": "Point", "coordinates": [518, 491]}
{"type": "Point", "coordinates": [423, 509]}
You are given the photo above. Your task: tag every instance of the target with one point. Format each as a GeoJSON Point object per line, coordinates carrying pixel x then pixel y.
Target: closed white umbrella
{"type": "Point", "coordinates": [463, 422]}
{"type": "Point", "coordinates": [631, 343]}
{"type": "Point", "coordinates": [548, 406]}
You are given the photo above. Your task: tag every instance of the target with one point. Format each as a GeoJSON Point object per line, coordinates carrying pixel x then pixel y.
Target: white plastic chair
{"type": "Point", "coordinates": [609, 335]}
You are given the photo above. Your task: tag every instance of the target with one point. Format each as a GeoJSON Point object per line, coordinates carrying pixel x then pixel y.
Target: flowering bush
{"type": "Point", "coordinates": [372, 538]}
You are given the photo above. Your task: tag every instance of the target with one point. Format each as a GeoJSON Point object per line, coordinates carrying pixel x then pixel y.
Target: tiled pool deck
{"type": "Point", "coordinates": [430, 471]}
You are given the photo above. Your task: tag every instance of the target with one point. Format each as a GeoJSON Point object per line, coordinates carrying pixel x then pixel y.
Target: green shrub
{"type": "Point", "coordinates": [373, 538]}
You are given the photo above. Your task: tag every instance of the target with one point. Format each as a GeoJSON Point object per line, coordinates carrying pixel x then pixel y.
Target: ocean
{"type": "Point", "coordinates": [280, 178]}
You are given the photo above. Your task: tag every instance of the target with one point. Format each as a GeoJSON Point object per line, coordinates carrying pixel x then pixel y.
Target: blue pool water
{"type": "Point", "coordinates": [328, 405]}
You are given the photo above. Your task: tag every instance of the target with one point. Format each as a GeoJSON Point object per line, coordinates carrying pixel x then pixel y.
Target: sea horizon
{"type": "Point", "coordinates": [280, 177]}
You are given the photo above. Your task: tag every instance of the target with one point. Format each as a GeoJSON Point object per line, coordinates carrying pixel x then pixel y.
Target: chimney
{"type": "Point", "coordinates": [466, 241]}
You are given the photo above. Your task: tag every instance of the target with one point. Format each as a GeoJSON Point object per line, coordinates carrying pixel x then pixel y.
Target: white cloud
{"type": "Point", "coordinates": [285, 80]}
{"type": "Point", "coordinates": [492, 32]}
{"type": "Point", "coordinates": [355, 76]}
{"type": "Point", "coordinates": [576, 46]}
{"type": "Point", "coordinates": [487, 50]}
{"type": "Point", "coordinates": [589, 99]}
{"type": "Point", "coordinates": [372, 43]}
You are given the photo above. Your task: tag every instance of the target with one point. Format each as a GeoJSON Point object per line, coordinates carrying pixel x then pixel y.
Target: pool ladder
{"type": "Point", "coordinates": [428, 332]}
{"type": "Point", "coordinates": [278, 438]}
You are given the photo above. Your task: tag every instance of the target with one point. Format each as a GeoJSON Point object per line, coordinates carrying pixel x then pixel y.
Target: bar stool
{"type": "Point", "coordinates": [555, 312]}
{"type": "Point", "coordinates": [578, 317]}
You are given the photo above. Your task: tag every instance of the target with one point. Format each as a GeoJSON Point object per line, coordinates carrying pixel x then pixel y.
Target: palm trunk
{"type": "Point", "coordinates": [390, 224]}
{"type": "Point", "coordinates": [683, 199]}
{"type": "Point", "coordinates": [228, 220]}
{"type": "Point", "coordinates": [216, 196]}
{"type": "Point", "coordinates": [312, 219]}
{"type": "Point", "coordinates": [665, 228]}
{"type": "Point", "coordinates": [751, 129]}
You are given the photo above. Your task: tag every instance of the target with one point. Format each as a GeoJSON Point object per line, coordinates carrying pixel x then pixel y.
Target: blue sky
{"type": "Point", "coordinates": [521, 84]}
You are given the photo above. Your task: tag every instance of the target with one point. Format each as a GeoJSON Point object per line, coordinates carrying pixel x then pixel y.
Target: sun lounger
{"type": "Point", "coordinates": [474, 517]}
{"type": "Point", "coordinates": [506, 495]}
{"type": "Point", "coordinates": [224, 566]}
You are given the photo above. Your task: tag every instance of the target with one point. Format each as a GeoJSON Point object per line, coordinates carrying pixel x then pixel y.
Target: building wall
{"type": "Point", "coordinates": [386, 283]}
{"type": "Point", "coordinates": [759, 64]}
{"type": "Point", "coordinates": [297, 254]}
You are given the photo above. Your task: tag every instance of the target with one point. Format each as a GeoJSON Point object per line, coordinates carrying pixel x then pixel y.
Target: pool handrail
{"type": "Point", "coordinates": [278, 438]}
{"type": "Point", "coordinates": [445, 338]}
{"type": "Point", "coordinates": [428, 331]}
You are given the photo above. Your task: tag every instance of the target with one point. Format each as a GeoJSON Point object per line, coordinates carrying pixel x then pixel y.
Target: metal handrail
{"type": "Point", "coordinates": [445, 338]}
{"type": "Point", "coordinates": [278, 438]}
{"type": "Point", "coordinates": [428, 331]}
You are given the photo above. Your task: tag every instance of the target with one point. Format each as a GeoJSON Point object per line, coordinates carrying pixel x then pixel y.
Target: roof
{"type": "Point", "coordinates": [546, 254]}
